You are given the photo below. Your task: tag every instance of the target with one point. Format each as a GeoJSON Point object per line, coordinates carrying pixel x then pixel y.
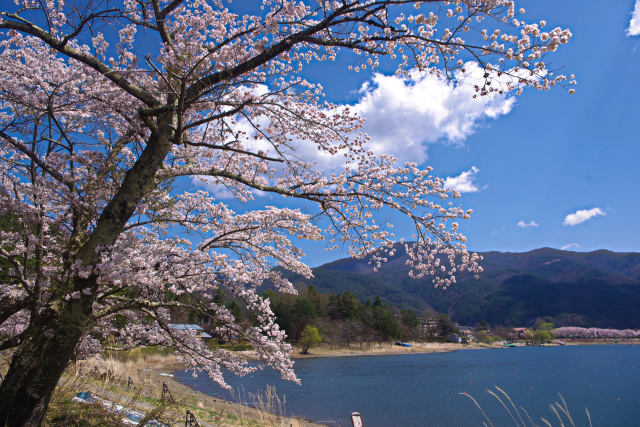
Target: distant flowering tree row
{"type": "Point", "coordinates": [590, 333]}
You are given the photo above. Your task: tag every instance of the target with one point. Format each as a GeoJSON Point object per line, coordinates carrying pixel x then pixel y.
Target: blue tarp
{"type": "Point", "coordinates": [130, 416]}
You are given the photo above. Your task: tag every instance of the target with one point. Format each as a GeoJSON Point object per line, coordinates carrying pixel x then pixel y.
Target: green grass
{"type": "Point", "coordinates": [142, 353]}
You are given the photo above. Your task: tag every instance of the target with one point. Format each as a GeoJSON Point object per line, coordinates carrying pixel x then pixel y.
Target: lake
{"type": "Point", "coordinates": [423, 389]}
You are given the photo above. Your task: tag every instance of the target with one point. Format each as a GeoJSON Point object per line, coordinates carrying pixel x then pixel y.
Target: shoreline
{"type": "Point", "coordinates": [171, 365]}
{"type": "Point", "coordinates": [252, 413]}
{"type": "Point", "coordinates": [318, 352]}
{"type": "Point", "coordinates": [434, 347]}
{"type": "Point", "coordinates": [388, 350]}
{"type": "Point", "coordinates": [152, 374]}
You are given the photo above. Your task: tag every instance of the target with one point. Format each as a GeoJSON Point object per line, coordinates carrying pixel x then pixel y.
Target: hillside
{"type": "Point", "coordinates": [600, 288]}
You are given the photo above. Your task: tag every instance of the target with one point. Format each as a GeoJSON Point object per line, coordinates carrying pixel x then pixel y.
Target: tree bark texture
{"type": "Point", "coordinates": [39, 361]}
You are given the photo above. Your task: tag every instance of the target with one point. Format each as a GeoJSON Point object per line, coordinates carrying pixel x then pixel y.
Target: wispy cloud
{"type": "Point", "coordinates": [580, 216]}
{"type": "Point", "coordinates": [571, 246]}
{"type": "Point", "coordinates": [465, 182]}
{"type": "Point", "coordinates": [523, 224]}
{"type": "Point", "coordinates": [634, 24]}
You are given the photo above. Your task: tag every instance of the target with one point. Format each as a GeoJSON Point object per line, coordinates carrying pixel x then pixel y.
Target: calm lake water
{"type": "Point", "coordinates": [423, 389]}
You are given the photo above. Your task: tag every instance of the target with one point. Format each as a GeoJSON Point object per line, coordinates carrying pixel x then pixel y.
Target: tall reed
{"type": "Point", "coordinates": [520, 417]}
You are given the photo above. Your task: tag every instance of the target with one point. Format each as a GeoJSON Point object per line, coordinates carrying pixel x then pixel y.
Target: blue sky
{"type": "Point", "coordinates": [554, 154]}
{"type": "Point", "coordinates": [536, 159]}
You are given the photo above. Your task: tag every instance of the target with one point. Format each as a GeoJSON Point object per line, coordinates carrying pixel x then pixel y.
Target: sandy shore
{"type": "Point", "coordinates": [389, 349]}
{"type": "Point", "coordinates": [384, 349]}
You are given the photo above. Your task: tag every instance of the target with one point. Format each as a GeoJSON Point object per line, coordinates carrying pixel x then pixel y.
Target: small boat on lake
{"type": "Point", "coordinates": [403, 344]}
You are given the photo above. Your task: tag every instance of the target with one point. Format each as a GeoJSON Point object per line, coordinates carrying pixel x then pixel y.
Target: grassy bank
{"type": "Point", "coordinates": [132, 380]}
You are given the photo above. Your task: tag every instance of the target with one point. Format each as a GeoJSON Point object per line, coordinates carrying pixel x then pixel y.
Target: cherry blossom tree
{"type": "Point", "coordinates": [576, 332]}
{"type": "Point", "coordinates": [111, 110]}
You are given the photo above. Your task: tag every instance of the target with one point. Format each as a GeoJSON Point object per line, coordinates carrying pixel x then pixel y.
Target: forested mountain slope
{"type": "Point", "coordinates": [600, 288]}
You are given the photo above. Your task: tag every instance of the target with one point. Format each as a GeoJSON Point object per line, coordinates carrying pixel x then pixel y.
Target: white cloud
{"type": "Point", "coordinates": [523, 224]}
{"type": "Point", "coordinates": [580, 216]}
{"type": "Point", "coordinates": [571, 246]}
{"type": "Point", "coordinates": [405, 115]}
{"type": "Point", "coordinates": [465, 182]}
{"type": "Point", "coordinates": [634, 24]}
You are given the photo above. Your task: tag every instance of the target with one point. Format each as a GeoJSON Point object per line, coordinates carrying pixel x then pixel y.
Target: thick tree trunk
{"type": "Point", "coordinates": [53, 335]}
{"type": "Point", "coordinates": [39, 362]}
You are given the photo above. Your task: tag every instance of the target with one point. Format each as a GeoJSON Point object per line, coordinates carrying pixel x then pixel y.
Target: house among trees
{"type": "Point", "coordinates": [428, 324]}
{"type": "Point", "coordinates": [520, 332]}
{"type": "Point", "coordinates": [465, 331]}
{"type": "Point", "coordinates": [200, 333]}
{"type": "Point", "coordinates": [454, 338]}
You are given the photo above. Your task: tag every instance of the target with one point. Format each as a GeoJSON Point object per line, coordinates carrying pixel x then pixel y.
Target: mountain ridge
{"type": "Point", "coordinates": [599, 288]}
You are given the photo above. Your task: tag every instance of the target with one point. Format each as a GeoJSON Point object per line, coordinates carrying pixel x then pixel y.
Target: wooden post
{"type": "Point", "coordinates": [356, 419]}
{"type": "Point", "coordinates": [166, 394]}
{"type": "Point", "coordinates": [190, 420]}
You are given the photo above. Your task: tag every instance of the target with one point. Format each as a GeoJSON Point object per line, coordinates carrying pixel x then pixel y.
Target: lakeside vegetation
{"type": "Point", "coordinates": [343, 321]}
{"type": "Point", "coordinates": [558, 408]}
{"type": "Point", "coordinates": [131, 379]}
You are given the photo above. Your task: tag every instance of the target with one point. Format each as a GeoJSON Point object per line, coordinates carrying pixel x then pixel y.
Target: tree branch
{"type": "Point", "coordinates": [282, 46]}
{"type": "Point", "coordinates": [14, 22]}
{"type": "Point", "coordinates": [34, 157]}
{"type": "Point", "coordinates": [9, 309]}
{"type": "Point", "coordinates": [10, 342]}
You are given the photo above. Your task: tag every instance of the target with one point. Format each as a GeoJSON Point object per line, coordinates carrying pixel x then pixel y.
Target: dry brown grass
{"type": "Point", "coordinates": [131, 379]}
{"type": "Point", "coordinates": [268, 407]}
{"type": "Point", "coordinates": [108, 381]}
{"type": "Point", "coordinates": [109, 378]}
{"type": "Point", "coordinates": [519, 415]}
